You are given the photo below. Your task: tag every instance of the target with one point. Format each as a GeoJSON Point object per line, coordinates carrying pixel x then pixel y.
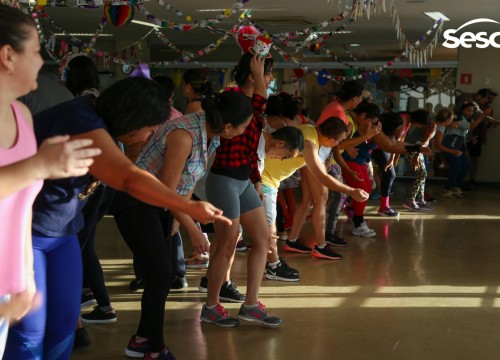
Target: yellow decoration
{"type": "Point", "coordinates": [227, 12]}
{"type": "Point", "coordinates": [41, 2]}
{"type": "Point", "coordinates": [88, 50]}
{"type": "Point", "coordinates": [188, 18]}
{"type": "Point", "coordinates": [435, 74]}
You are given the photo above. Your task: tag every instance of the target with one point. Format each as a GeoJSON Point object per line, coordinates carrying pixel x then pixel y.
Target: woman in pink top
{"type": "Point", "coordinates": [22, 169]}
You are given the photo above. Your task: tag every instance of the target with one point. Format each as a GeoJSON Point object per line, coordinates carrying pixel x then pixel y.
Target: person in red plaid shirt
{"type": "Point", "coordinates": [233, 184]}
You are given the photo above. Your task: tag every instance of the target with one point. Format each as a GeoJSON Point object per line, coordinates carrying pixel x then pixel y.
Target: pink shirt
{"type": "Point", "coordinates": [15, 210]}
{"type": "Point", "coordinates": [333, 109]}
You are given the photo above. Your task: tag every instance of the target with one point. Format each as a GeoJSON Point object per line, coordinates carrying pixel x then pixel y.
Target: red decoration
{"type": "Point", "coordinates": [299, 73]}
{"type": "Point", "coordinates": [119, 15]}
{"type": "Point", "coordinates": [245, 37]}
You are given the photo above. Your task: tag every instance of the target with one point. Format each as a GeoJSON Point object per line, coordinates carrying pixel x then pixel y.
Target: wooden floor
{"type": "Point", "coordinates": [427, 287]}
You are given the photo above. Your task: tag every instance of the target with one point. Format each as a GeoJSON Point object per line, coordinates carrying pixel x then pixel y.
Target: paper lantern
{"type": "Point", "coordinates": [119, 15]}
{"type": "Point", "coordinates": [245, 37]}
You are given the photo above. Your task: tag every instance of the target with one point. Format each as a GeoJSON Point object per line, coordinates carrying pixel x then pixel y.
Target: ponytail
{"type": "Point", "coordinates": [229, 107]}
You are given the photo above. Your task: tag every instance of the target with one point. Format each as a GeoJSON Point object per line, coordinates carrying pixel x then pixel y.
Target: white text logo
{"type": "Point", "coordinates": [468, 39]}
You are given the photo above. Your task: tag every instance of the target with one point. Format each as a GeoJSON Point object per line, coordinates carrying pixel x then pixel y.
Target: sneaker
{"type": "Point", "coordinates": [283, 236]}
{"type": "Point", "coordinates": [197, 261]}
{"type": "Point", "coordinates": [450, 194]}
{"type": "Point", "coordinates": [326, 253]}
{"type": "Point", "coordinates": [296, 246]}
{"type": "Point", "coordinates": [82, 339]}
{"type": "Point", "coordinates": [218, 315]}
{"type": "Point", "coordinates": [459, 193]}
{"type": "Point", "coordinates": [429, 199]}
{"type": "Point", "coordinates": [258, 313]}
{"type": "Point", "coordinates": [97, 316]}
{"type": "Point", "coordinates": [136, 349]}
{"type": "Point", "coordinates": [364, 231]}
{"type": "Point", "coordinates": [423, 206]}
{"type": "Point", "coordinates": [335, 240]}
{"type": "Point", "coordinates": [283, 262]}
{"type": "Point", "coordinates": [411, 205]}
{"type": "Point", "coordinates": [203, 287]}
{"type": "Point", "coordinates": [389, 212]}
{"type": "Point", "coordinates": [230, 293]}
{"type": "Point", "coordinates": [164, 355]}
{"type": "Point", "coordinates": [240, 245]}
{"type": "Point", "coordinates": [281, 273]}
{"type": "Point", "coordinates": [87, 300]}
{"type": "Point", "coordinates": [179, 283]}
{"type": "Point", "coordinates": [136, 284]}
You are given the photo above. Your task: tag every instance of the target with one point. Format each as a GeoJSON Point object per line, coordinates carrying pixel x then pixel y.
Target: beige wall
{"type": "Point", "coordinates": [484, 64]}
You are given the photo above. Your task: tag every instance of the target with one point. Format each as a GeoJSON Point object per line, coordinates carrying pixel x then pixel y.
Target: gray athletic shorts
{"type": "Point", "coordinates": [234, 197]}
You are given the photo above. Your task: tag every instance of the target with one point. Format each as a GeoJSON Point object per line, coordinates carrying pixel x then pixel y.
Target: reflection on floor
{"type": "Point", "coordinates": [427, 287]}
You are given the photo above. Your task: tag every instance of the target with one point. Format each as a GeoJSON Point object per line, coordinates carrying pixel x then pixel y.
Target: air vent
{"type": "Point", "coordinates": [285, 20]}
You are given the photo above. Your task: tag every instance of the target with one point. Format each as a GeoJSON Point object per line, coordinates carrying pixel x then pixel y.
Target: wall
{"type": "Point", "coordinates": [483, 65]}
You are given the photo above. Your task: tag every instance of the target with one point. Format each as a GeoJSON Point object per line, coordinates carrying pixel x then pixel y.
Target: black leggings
{"type": "Point", "coordinates": [96, 207]}
{"type": "Point", "coordinates": [381, 158]}
{"type": "Point", "coordinates": [146, 230]}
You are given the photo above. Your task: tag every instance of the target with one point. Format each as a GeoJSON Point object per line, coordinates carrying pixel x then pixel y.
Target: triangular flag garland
{"type": "Point", "coordinates": [413, 52]}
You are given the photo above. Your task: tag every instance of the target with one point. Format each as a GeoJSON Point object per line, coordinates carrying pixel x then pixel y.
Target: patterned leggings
{"type": "Point", "coordinates": [335, 202]}
{"type": "Point", "coordinates": [418, 188]}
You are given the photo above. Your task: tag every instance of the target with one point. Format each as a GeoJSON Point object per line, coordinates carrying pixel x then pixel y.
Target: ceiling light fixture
{"type": "Point", "coordinates": [83, 34]}
{"type": "Point", "coordinates": [436, 15]}
{"type": "Point", "coordinates": [253, 10]}
{"type": "Point", "coordinates": [145, 23]}
{"type": "Point", "coordinates": [334, 32]}
{"type": "Point", "coordinates": [354, 45]}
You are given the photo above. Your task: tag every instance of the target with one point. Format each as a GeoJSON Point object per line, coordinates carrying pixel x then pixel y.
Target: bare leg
{"type": "Point", "coordinates": [300, 215]}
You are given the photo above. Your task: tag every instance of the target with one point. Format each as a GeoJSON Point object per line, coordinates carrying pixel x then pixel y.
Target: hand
{"type": "Point", "coordinates": [200, 242]}
{"type": "Point", "coordinates": [257, 66]}
{"type": "Point", "coordinates": [353, 152]}
{"type": "Point", "coordinates": [373, 129]}
{"type": "Point", "coordinates": [258, 188]}
{"type": "Point", "coordinates": [355, 175]}
{"type": "Point", "coordinates": [426, 150]}
{"type": "Point", "coordinates": [359, 195]}
{"type": "Point", "coordinates": [60, 157]}
{"type": "Point", "coordinates": [388, 166]}
{"type": "Point", "coordinates": [205, 212]}
{"type": "Point", "coordinates": [487, 111]}
{"type": "Point", "coordinates": [457, 153]}
{"type": "Point", "coordinates": [21, 303]}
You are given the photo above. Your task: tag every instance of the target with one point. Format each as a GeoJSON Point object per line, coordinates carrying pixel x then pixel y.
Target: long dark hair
{"type": "Point", "coordinates": [131, 104]}
{"type": "Point", "coordinates": [200, 84]}
{"type": "Point", "coordinates": [350, 89]}
{"type": "Point", "coordinates": [242, 70]}
{"type": "Point", "coordinates": [230, 107]}
{"type": "Point", "coordinates": [14, 27]}
{"type": "Point", "coordinates": [81, 75]}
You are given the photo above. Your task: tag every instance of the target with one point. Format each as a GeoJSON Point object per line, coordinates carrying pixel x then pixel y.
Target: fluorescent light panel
{"type": "Point", "coordinates": [260, 9]}
{"type": "Point", "coordinates": [145, 23]}
{"type": "Point", "coordinates": [83, 34]}
{"type": "Point", "coordinates": [436, 15]}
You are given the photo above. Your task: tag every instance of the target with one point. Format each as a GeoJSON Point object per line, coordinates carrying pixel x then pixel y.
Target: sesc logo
{"type": "Point", "coordinates": [468, 39]}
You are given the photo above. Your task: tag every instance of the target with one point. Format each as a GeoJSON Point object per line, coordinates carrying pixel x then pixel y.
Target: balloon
{"type": "Point", "coordinates": [299, 73]}
{"type": "Point", "coordinates": [119, 15]}
{"type": "Point", "coordinates": [245, 37]}
{"type": "Point", "coordinates": [322, 80]}
{"type": "Point", "coordinates": [141, 71]}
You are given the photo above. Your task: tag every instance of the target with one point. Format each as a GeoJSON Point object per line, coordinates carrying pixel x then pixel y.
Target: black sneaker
{"type": "Point", "coordinates": [179, 283]}
{"type": "Point", "coordinates": [136, 284]}
{"type": "Point", "coordinates": [294, 271]}
{"type": "Point", "coordinates": [87, 300]}
{"type": "Point", "coordinates": [281, 273]}
{"type": "Point", "coordinates": [99, 317]}
{"type": "Point", "coordinates": [136, 349]}
{"type": "Point", "coordinates": [326, 253]}
{"type": "Point", "coordinates": [229, 293]}
{"type": "Point", "coordinates": [296, 246]}
{"type": "Point", "coordinates": [335, 240]}
{"type": "Point", "coordinates": [82, 339]}
{"type": "Point", "coordinates": [203, 285]}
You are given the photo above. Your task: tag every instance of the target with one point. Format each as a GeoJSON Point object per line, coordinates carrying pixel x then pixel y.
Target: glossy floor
{"type": "Point", "coordinates": [426, 287]}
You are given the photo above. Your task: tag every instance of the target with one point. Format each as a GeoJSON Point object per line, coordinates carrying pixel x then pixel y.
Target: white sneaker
{"type": "Point", "coordinates": [364, 231]}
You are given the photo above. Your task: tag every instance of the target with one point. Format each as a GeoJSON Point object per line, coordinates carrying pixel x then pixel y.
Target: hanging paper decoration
{"type": "Point", "coordinates": [245, 37]}
{"type": "Point", "coordinates": [120, 15]}
{"type": "Point", "coordinates": [142, 70]}
{"type": "Point", "coordinates": [299, 73]}
{"type": "Point", "coordinates": [322, 78]}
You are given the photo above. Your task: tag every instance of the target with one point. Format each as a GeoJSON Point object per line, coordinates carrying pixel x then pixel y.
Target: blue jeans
{"type": "Point", "coordinates": [459, 167]}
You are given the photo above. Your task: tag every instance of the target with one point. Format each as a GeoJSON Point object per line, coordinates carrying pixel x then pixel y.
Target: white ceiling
{"type": "Point", "coordinates": [377, 36]}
